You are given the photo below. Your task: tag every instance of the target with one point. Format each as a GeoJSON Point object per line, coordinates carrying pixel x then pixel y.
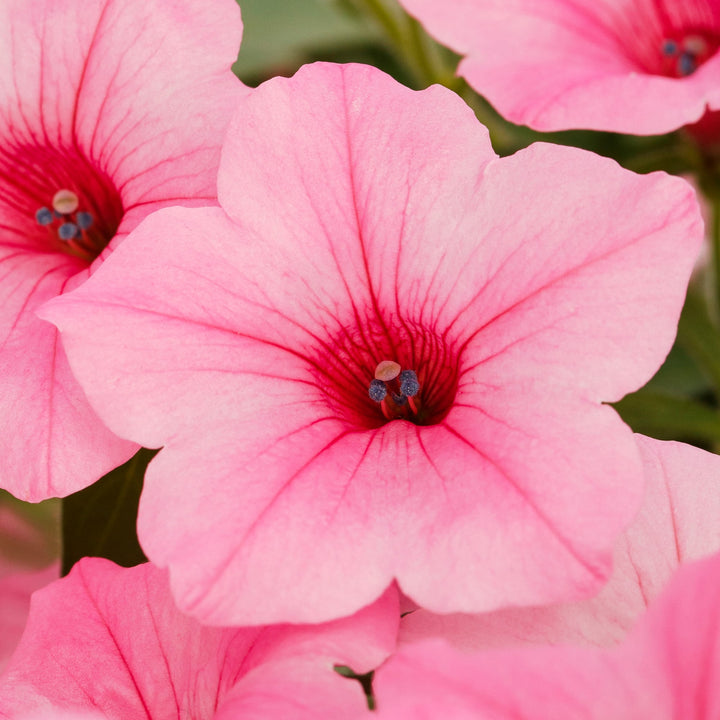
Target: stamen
{"type": "Point", "coordinates": [377, 390]}
{"type": "Point", "coordinates": [409, 385]}
{"type": "Point", "coordinates": [687, 64]}
{"type": "Point", "coordinates": [68, 231]}
{"type": "Point", "coordinates": [387, 370]}
{"type": "Point", "coordinates": [44, 216]}
{"type": "Point", "coordinates": [65, 202]}
{"type": "Point", "coordinates": [669, 48]}
{"type": "Point", "coordinates": [84, 220]}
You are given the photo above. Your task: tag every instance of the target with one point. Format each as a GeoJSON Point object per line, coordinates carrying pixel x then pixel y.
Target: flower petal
{"type": "Point", "coordinates": [155, 660]}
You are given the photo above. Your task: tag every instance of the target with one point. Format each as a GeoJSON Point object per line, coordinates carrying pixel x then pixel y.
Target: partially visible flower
{"type": "Point", "coordinates": [28, 561]}
{"type": "Point", "coordinates": [110, 639]}
{"type": "Point", "coordinates": [677, 523]}
{"type": "Point", "coordinates": [635, 66]}
{"type": "Point", "coordinates": [385, 356]}
{"type": "Point", "coordinates": [667, 669]}
{"type": "Point", "coordinates": [109, 109]}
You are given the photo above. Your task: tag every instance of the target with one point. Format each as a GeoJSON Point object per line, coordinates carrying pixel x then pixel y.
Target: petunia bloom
{"type": "Point", "coordinates": [677, 523]}
{"type": "Point", "coordinates": [635, 66]}
{"type": "Point", "coordinates": [666, 669]}
{"type": "Point", "coordinates": [384, 356]}
{"type": "Point", "coordinates": [110, 639]}
{"type": "Point", "coordinates": [109, 109]}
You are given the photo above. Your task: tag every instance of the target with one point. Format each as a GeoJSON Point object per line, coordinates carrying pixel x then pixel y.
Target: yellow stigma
{"type": "Point", "coordinates": [387, 370]}
{"type": "Point", "coordinates": [65, 202]}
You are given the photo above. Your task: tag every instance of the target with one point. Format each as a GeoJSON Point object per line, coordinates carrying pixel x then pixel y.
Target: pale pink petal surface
{"type": "Point", "coordinates": [367, 222]}
{"type": "Point", "coordinates": [125, 104]}
{"type": "Point", "coordinates": [110, 639]}
{"type": "Point", "coordinates": [677, 522]}
{"type": "Point", "coordinates": [666, 670]}
{"type": "Point", "coordinates": [597, 64]}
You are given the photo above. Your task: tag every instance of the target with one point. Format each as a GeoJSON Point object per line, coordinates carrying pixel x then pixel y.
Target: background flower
{"type": "Point", "coordinates": [666, 669]}
{"type": "Point", "coordinates": [98, 127]}
{"type": "Point", "coordinates": [28, 561]}
{"type": "Point", "coordinates": [110, 639]}
{"type": "Point", "coordinates": [636, 66]}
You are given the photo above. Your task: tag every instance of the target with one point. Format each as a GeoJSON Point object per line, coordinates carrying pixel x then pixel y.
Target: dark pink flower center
{"type": "Point", "coordinates": [56, 200]}
{"type": "Point", "coordinates": [418, 384]}
{"type": "Point", "coordinates": [665, 37]}
{"type": "Point", "coordinates": [684, 53]}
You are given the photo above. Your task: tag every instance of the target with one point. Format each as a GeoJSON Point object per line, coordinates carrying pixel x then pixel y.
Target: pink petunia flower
{"type": "Point", "coordinates": [636, 66]}
{"type": "Point", "coordinates": [110, 639]}
{"type": "Point", "coordinates": [109, 109]}
{"type": "Point", "coordinates": [667, 669]}
{"type": "Point", "coordinates": [677, 523]}
{"type": "Point", "coordinates": [384, 356]}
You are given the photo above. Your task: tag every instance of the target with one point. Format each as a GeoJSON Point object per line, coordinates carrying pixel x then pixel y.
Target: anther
{"type": "Point", "coordinates": [67, 231]}
{"type": "Point", "coordinates": [687, 64]}
{"type": "Point", "coordinates": [387, 370]}
{"type": "Point", "coordinates": [377, 390]}
{"type": "Point", "coordinates": [669, 48]}
{"type": "Point", "coordinates": [44, 216]}
{"type": "Point", "coordinates": [84, 220]}
{"type": "Point", "coordinates": [409, 385]}
{"type": "Point", "coordinates": [65, 202]}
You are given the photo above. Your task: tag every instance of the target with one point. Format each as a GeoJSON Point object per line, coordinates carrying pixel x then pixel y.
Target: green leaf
{"type": "Point", "coordinates": [671, 418]}
{"type": "Point", "coordinates": [700, 338]}
{"type": "Point", "coordinates": [100, 521]}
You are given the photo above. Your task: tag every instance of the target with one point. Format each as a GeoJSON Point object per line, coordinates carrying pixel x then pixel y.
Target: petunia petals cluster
{"type": "Point", "coordinates": [636, 66]}
{"type": "Point", "coordinates": [110, 639]}
{"type": "Point", "coordinates": [362, 223]}
{"type": "Point", "coordinates": [99, 126]}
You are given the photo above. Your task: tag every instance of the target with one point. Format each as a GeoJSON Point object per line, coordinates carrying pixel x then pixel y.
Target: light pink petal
{"type": "Point", "coordinates": [667, 668]}
{"type": "Point", "coordinates": [562, 64]}
{"type": "Point", "coordinates": [677, 523]}
{"type": "Point", "coordinates": [55, 444]}
{"type": "Point", "coordinates": [110, 639]}
{"type": "Point", "coordinates": [432, 680]}
{"type": "Point", "coordinates": [365, 222]}
{"type": "Point", "coordinates": [15, 591]}
{"type": "Point", "coordinates": [92, 99]}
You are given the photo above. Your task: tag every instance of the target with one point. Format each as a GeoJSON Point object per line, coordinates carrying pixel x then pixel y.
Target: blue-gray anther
{"type": "Point", "coordinates": [687, 64]}
{"type": "Point", "coordinates": [399, 399]}
{"type": "Point", "coordinates": [377, 390]}
{"type": "Point", "coordinates": [84, 220]}
{"type": "Point", "coordinates": [67, 231]}
{"type": "Point", "coordinates": [409, 385]}
{"type": "Point", "coordinates": [44, 216]}
{"type": "Point", "coordinates": [669, 48]}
